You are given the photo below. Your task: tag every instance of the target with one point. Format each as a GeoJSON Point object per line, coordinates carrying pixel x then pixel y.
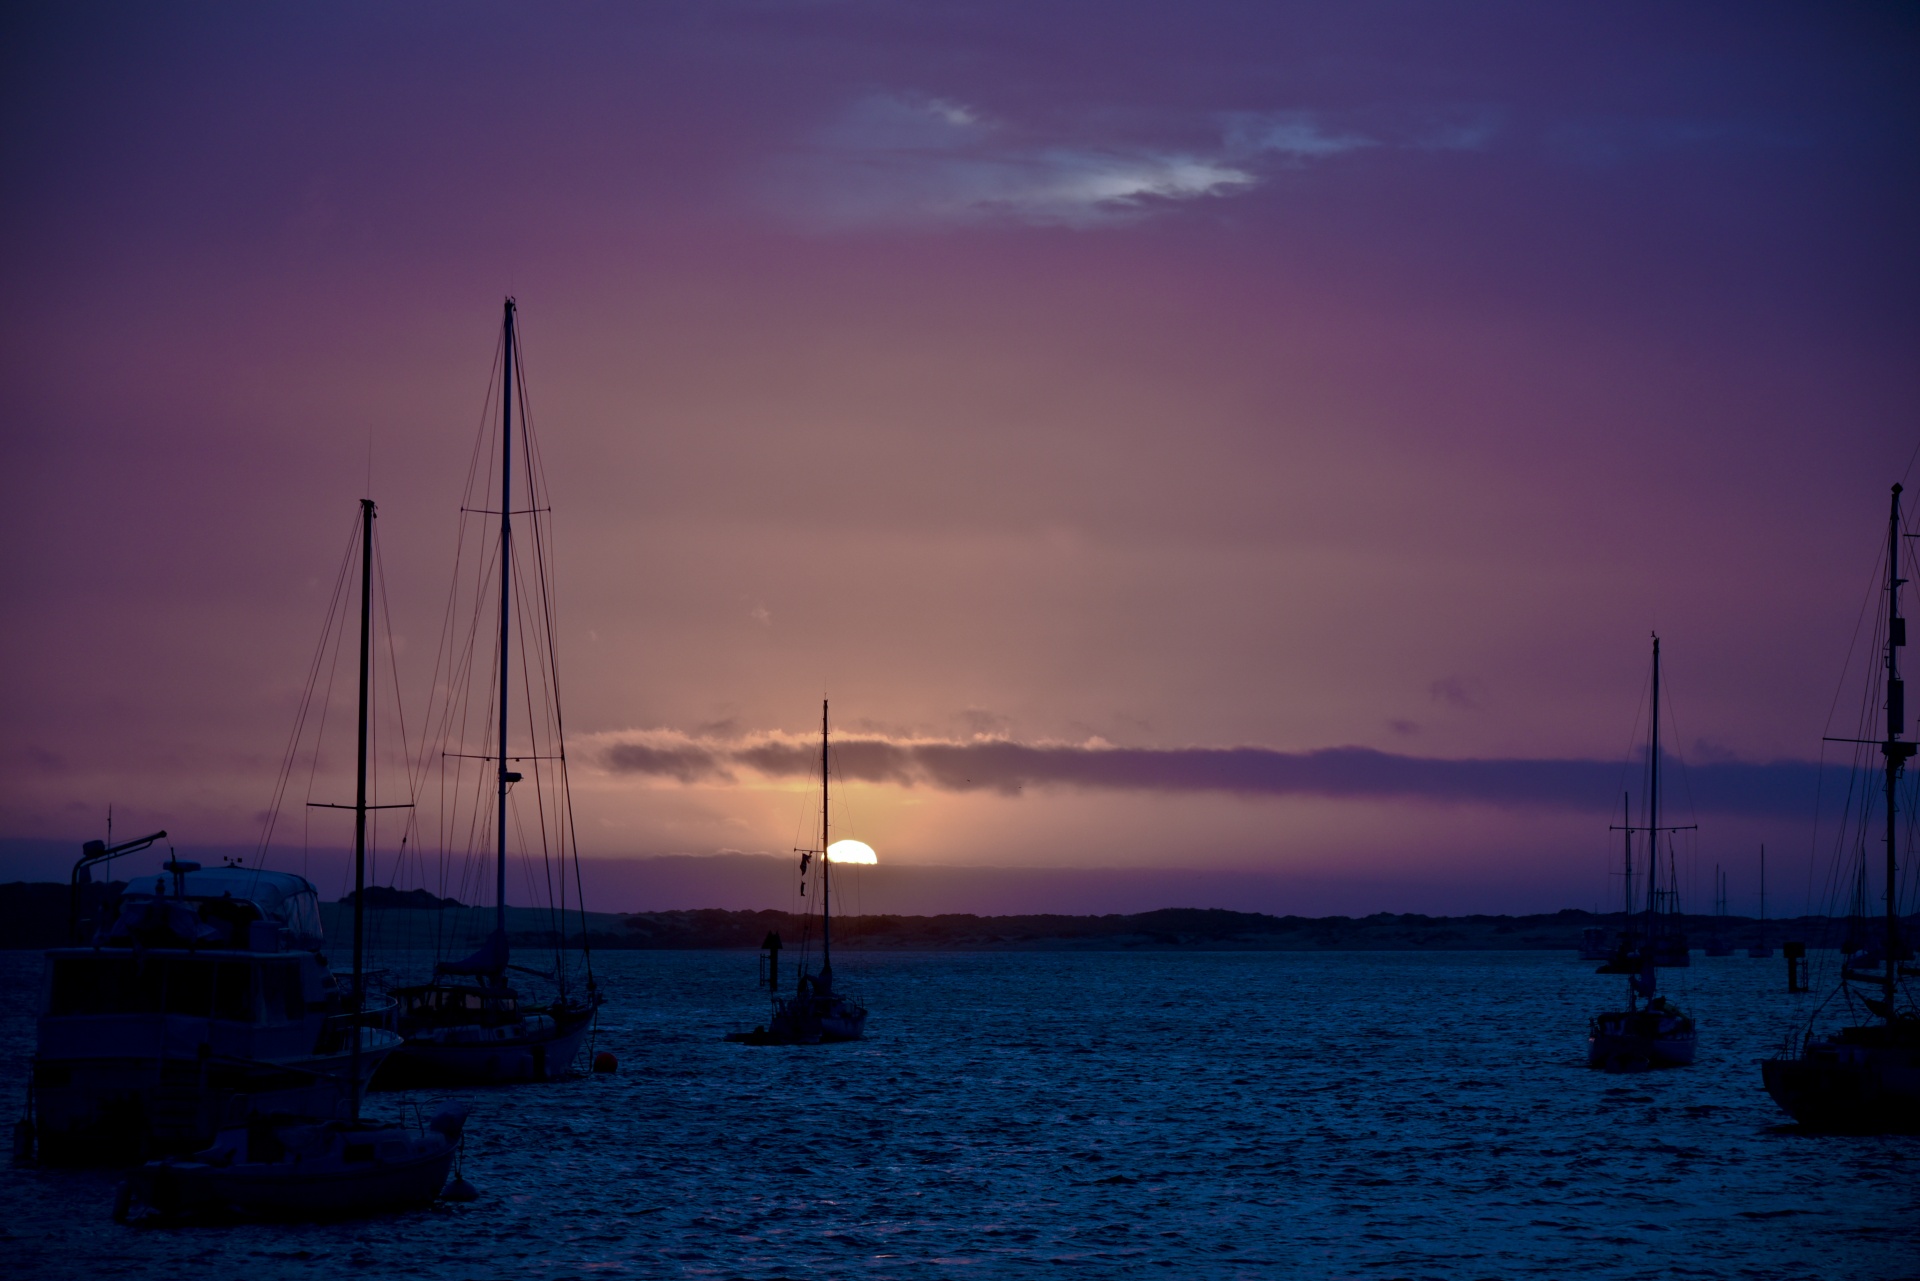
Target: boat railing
{"type": "Point", "coordinates": [375, 1014]}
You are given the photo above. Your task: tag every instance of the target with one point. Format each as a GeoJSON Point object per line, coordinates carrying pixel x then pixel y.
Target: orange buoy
{"type": "Point", "coordinates": [605, 1062]}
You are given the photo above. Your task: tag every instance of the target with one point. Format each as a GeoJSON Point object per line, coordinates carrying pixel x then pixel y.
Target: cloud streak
{"type": "Point", "coordinates": [899, 160]}
{"type": "Point", "coordinates": [1775, 788]}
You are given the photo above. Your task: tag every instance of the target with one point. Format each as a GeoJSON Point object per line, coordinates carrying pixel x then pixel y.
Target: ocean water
{"type": "Point", "coordinates": [1158, 1114]}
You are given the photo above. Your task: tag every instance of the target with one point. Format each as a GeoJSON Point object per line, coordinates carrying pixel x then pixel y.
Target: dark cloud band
{"type": "Point", "coordinates": [1785, 788]}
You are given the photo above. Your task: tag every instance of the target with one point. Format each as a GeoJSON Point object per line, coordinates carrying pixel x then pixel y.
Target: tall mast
{"type": "Point", "coordinates": [1653, 801]}
{"type": "Point", "coordinates": [506, 575]}
{"type": "Point", "coordinates": [1895, 751]}
{"type": "Point", "coordinates": [360, 800]}
{"type": "Point", "coordinates": [826, 864]}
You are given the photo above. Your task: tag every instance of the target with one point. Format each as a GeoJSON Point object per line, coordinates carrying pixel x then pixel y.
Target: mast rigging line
{"type": "Point", "coordinates": [1839, 691]}
{"type": "Point", "coordinates": [407, 754]}
{"type": "Point", "coordinates": [544, 657]}
{"type": "Point", "coordinates": [305, 706]}
{"type": "Point", "coordinates": [546, 578]}
{"type": "Point", "coordinates": [453, 657]}
{"type": "Point", "coordinates": [539, 781]}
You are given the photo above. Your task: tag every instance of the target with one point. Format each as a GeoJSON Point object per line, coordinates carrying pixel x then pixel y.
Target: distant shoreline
{"type": "Point", "coordinates": [1183, 929]}
{"type": "Point", "coordinates": [33, 916]}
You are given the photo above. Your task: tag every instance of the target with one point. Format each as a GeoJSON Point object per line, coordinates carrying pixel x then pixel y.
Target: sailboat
{"type": "Point", "coordinates": [1865, 1077]}
{"type": "Point", "coordinates": [204, 1000]}
{"type": "Point", "coordinates": [467, 1025]}
{"type": "Point", "coordinates": [1652, 1031]}
{"type": "Point", "coordinates": [304, 1165]}
{"type": "Point", "coordinates": [1762, 950]}
{"type": "Point", "coordinates": [817, 1012]}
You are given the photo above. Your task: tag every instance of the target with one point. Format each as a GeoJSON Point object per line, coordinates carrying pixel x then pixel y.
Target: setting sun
{"type": "Point", "coordinates": [851, 852]}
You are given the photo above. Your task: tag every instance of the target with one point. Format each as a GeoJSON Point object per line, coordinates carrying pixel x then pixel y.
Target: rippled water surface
{"type": "Point", "coordinates": [1141, 1114]}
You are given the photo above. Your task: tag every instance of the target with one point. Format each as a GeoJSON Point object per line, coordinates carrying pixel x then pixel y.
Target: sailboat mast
{"type": "Point", "coordinates": [1896, 752]}
{"type": "Point", "coordinates": [506, 577]}
{"type": "Point", "coordinates": [360, 800]}
{"type": "Point", "coordinates": [1653, 800]}
{"type": "Point", "coordinates": [826, 864]}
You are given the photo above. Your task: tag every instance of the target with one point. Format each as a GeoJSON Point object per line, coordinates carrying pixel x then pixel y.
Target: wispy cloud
{"type": "Point", "coordinates": [1297, 135]}
{"type": "Point", "coordinates": [1006, 767]}
{"type": "Point", "coordinates": [900, 160]}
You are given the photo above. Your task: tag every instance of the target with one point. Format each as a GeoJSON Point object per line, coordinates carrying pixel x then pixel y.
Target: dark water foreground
{"type": "Point", "coordinates": [1106, 1115]}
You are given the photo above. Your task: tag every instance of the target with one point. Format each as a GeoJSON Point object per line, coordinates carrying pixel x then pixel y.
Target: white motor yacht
{"type": "Point", "coordinates": [203, 998]}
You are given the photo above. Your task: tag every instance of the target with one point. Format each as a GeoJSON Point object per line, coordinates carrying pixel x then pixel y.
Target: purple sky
{"type": "Point", "coordinates": [1120, 410]}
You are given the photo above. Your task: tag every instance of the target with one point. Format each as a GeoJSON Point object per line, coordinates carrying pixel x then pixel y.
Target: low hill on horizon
{"type": "Point", "coordinates": [1187, 928]}
{"type": "Point", "coordinates": [34, 915]}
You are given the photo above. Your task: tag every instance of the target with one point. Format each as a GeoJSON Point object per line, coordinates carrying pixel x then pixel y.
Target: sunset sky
{"type": "Point", "coordinates": [1112, 407]}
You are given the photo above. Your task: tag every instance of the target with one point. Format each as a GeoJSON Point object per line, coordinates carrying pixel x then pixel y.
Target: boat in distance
{"type": "Point", "coordinates": [816, 1013]}
{"type": "Point", "coordinates": [1658, 1034]}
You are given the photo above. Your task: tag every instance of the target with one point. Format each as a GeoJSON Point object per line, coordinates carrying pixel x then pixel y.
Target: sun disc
{"type": "Point", "coordinates": [852, 852]}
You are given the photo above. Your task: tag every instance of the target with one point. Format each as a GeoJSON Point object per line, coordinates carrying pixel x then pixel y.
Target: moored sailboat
{"type": "Point", "coordinates": [1865, 1076]}
{"type": "Point", "coordinates": [1651, 1031]}
{"type": "Point", "coordinates": [467, 1024]}
{"type": "Point", "coordinates": [817, 1012]}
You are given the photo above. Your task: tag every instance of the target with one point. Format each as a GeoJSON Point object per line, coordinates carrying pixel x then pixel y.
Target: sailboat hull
{"type": "Point", "coordinates": [809, 1020]}
{"type": "Point", "coordinates": [844, 1027]}
{"type": "Point", "coordinates": [1632, 1040]}
{"type": "Point", "coordinates": [1850, 1085]}
{"type": "Point", "coordinates": [535, 1050]}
